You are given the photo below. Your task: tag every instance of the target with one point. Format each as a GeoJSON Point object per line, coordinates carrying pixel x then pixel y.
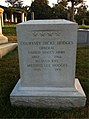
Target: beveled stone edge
{"type": "Point", "coordinates": [19, 97]}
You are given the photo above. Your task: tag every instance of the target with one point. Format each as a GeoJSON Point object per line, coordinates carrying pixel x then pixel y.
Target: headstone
{"type": "Point", "coordinates": [5, 47]}
{"type": "Point", "coordinates": [47, 57]}
{"type": "Point", "coordinates": [3, 39]}
{"type": "Point", "coordinates": [83, 36]}
{"type": "Point", "coordinates": [32, 15]}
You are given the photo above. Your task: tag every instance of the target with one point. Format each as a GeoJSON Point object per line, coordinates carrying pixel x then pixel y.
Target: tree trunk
{"type": "Point", "coordinates": [72, 12]}
{"type": "Point", "coordinates": [83, 22]}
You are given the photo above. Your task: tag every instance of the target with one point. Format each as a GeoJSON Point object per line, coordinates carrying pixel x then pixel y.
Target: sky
{"type": "Point", "coordinates": [28, 2]}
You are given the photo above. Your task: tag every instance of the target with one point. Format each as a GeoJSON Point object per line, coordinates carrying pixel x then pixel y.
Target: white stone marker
{"type": "Point", "coordinates": [3, 39]}
{"type": "Point", "coordinates": [5, 47]}
{"type": "Point", "coordinates": [47, 56]}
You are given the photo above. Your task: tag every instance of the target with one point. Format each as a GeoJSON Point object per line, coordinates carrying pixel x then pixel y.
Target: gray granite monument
{"type": "Point", "coordinates": [47, 57]}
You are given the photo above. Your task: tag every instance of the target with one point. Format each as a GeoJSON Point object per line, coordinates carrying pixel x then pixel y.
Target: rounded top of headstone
{"type": "Point", "coordinates": [1, 10]}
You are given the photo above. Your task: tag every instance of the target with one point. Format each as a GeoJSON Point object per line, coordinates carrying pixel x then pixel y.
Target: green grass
{"type": "Point", "coordinates": [9, 75]}
{"type": "Point", "coordinates": [83, 27]}
{"type": "Point", "coordinates": [9, 30]}
{"type": "Point", "coordinates": [10, 25]}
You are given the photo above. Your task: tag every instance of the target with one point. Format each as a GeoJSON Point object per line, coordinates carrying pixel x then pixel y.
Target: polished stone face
{"type": "Point", "coordinates": [47, 51]}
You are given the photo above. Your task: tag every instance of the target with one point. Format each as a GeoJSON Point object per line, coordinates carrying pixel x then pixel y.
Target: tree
{"type": "Point", "coordinates": [59, 11]}
{"type": "Point", "coordinates": [42, 2]}
{"type": "Point", "coordinates": [41, 9]}
{"type": "Point", "coordinates": [15, 3]}
{"type": "Point", "coordinates": [81, 14]}
{"type": "Point", "coordinates": [11, 2]}
{"type": "Point", "coordinates": [19, 4]}
{"type": "Point", "coordinates": [73, 3]}
{"type": "Point", "coordinates": [87, 17]}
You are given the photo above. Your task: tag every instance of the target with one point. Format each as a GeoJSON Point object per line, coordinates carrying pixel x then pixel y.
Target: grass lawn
{"type": "Point", "coordinates": [83, 26]}
{"type": "Point", "coordinates": [9, 30]}
{"type": "Point", "coordinates": [9, 75]}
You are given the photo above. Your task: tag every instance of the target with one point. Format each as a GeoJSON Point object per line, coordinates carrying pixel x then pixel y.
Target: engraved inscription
{"type": "Point", "coordinates": [44, 33]}
{"type": "Point", "coordinates": [46, 54]}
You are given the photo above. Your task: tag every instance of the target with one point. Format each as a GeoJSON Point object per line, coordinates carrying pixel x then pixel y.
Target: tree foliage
{"type": "Point", "coordinates": [59, 11]}
{"type": "Point", "coordinates": [73, 3]}
{"type": "Point", "coordinates": [15, 3]}
{"type": "Point", "coordinates": [87, 18]}
{"type": "Point", "coordinates": [81, 14]}
{"type": "Point", "coordinates": [41, 9]}
{"type": "Point", "coordinates": [19, 4]}
{"type": "Point", "coordinates": [42, 2]}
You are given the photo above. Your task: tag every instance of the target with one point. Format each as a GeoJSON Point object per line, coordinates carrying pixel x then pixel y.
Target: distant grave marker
{"type": "Point", "coordinates": [5, 47]}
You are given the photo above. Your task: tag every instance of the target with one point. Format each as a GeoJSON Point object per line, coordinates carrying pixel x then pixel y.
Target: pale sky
{"type": "Point", "coordinates": [28, 2]}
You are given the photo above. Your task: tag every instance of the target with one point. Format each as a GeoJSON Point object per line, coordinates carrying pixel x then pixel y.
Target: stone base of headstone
{"type": "Point", "coordinates": [3, 39]}
{"type": "Point", "coordinates": [6, 48]}
{"type": "Point", "coordinates": [49, 97]}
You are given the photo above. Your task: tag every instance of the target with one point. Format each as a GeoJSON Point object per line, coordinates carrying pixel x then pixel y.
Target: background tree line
{"type": "Point", "coordinates": [76, 12]}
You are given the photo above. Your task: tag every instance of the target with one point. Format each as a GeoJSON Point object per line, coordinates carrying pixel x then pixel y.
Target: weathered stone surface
{"type": "Point", "coordinates": [3, 39]}
{"type": "Point", "coordinates": [83, 36]}
{"type": "Point", "coordinates": [48, 97]}
{"type": "Point", "coordinates": [5, 48]}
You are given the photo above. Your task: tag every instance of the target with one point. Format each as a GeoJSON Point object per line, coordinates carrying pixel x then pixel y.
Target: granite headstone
{"type": "Point", "coordinates": [47, 57]}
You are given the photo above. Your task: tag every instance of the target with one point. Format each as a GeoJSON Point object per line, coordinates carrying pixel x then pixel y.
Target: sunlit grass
{"type": "Point", "coordinates": [83, 26]}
